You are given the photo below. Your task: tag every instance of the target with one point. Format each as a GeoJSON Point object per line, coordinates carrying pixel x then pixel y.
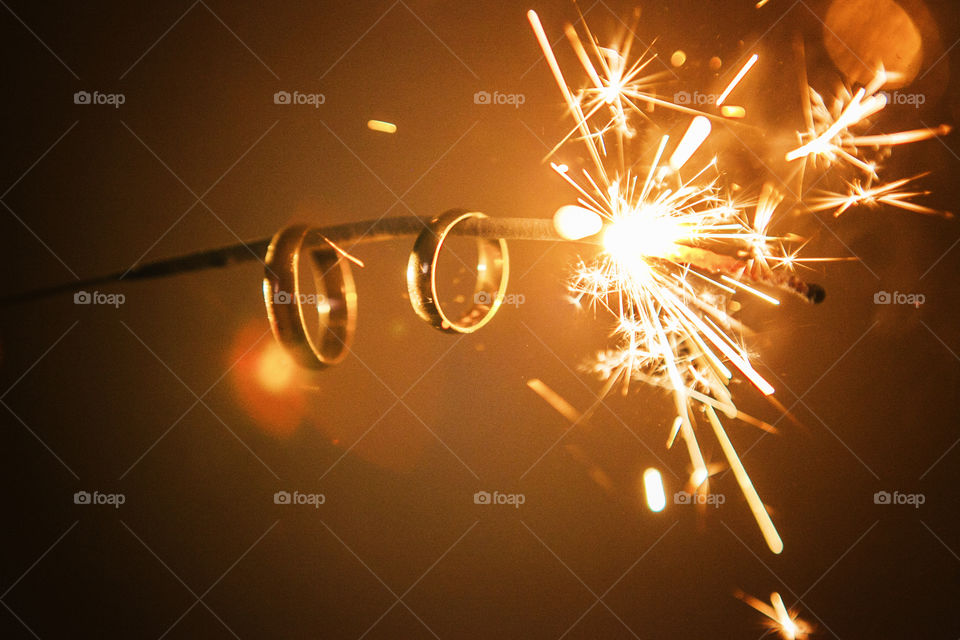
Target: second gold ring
{"type": "Point", "coordinates": [492, 274]}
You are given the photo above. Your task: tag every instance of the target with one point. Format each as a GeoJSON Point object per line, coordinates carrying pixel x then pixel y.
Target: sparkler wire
{"type": "Point", "coordinates": [349, 234]}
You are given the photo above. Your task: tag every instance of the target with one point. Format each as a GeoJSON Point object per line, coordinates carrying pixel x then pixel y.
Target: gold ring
{"type": "Point", "coordinates": [291, 310]}
{"type": "Point", "coordinates": [492, 273]}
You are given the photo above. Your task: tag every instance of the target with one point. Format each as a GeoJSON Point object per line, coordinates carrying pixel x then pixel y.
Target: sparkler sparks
{"type": "Point", "coordinates": [784, 622]}
{"type": "Point", "coordinates": [616, 90]}
{"type": "Point", "coordinates": [737, 78]}
{"type": "Point", "coordinates": [831, 130]}
{"type": "Point", "coordinates": [833, 139]}
{"type": "Point", "coordinates": [674, 249]}
{"type": "Point", "coordinates": [677, 243]}
{"type": "Point", "coordinates": [866, 195]}
{"type": "Point", "coordinates": [829, 137]}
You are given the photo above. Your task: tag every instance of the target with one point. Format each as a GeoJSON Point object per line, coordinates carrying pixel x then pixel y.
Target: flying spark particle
{"type": "Point", "coordinates": [731, 111]}
{"type": "Point", "coordinates": [696, 133]}
{"type": "Point", "coordinates": [653, 489]}
{"type": "Point", "coordinates": [737, 78]}
{"type": "Point", "coordinates": [381, 126]}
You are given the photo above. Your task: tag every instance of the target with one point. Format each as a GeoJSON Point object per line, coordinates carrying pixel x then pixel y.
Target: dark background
{"type": "Point", "coordinates": [106, 399]}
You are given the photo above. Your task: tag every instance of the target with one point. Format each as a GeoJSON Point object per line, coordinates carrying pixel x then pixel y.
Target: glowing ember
{"type": "Point", "coordinates": [573, 222]}
{"type": "Point", "coordinates": [381, 126]}
{"type": "Point", "coordinates": [653, 488]}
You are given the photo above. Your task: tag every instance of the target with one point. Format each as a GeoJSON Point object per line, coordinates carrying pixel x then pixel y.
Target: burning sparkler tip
{"type": "Point", "coordinates": [574, 223]}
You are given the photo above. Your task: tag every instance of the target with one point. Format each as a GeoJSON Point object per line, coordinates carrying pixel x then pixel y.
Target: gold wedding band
{"type": "Point", "coordinates": [492, 274]}
{"type": "Point", "coordinates": [292, 311]}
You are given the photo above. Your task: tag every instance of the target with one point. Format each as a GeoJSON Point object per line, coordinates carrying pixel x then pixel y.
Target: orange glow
{"type": "Point", "coordinates": [275, 368]}
{"type": "Point", "coordinates": [265, 381]}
